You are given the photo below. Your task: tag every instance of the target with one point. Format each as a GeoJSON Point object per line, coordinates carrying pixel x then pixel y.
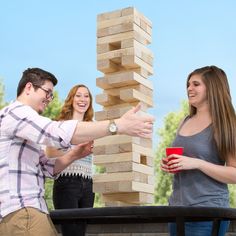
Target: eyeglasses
{"type": "Point", "coordinates": [49, 93]}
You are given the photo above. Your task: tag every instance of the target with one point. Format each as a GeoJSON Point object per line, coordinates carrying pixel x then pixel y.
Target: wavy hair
{"type": "Point", "coordinates": [221, 108]}
{"type": "Point", "coordinates": [67, 109]}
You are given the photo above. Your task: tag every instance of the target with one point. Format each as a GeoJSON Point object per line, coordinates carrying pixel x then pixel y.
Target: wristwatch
{"type": "Point", "coordinates": [112, 127]}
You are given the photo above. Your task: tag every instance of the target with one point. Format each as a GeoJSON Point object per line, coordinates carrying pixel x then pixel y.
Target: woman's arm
{"type": "Point", "coordinates": [52, 152]}
{"type": "Point", "coordinates": [77, 152]}
{"type": "Point", "coordinates": [225, 174]}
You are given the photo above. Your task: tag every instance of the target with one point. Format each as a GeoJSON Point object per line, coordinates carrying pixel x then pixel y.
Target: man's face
{"type": "Point", "coordinates": [41, 95]}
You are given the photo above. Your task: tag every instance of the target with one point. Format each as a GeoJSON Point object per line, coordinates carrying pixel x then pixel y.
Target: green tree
{"type": "Point", "coordinates": [98, 200]}
{"type": "Point", "coordinates": [2, 92]}
{"type": "Point", "coordinates": [54, 107]}
{"type": "Point", "coordinates": [52, 111]}
{"type": "Point", "coordinates": [232, 195]}
{"type": "Point", "coordinates": [163, 183]}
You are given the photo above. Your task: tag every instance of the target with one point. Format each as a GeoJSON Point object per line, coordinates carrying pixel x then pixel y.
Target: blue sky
{"type": "Point", "coordinates": [60, 36]}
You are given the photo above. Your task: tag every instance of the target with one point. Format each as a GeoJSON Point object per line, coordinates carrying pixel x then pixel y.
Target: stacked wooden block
{"type": "Point", "coordinates": [125, 60]}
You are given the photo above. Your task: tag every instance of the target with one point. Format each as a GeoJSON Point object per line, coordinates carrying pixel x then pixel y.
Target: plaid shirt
{"type": "Point", "coordinates": [23, 164]}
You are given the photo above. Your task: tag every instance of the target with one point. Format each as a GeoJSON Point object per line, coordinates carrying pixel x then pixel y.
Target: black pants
{"type": "Point", "coordinates": [73, 192]}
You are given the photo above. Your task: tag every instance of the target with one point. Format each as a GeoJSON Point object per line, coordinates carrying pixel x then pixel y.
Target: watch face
{"type": "Point", "coordinates": [113, 128]}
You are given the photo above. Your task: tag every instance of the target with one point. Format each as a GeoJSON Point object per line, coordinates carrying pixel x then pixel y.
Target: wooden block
{"type": "Point", "coordinates": [118, 204]}
{"type": "Point", "coordinates": [125, 27]}
{"type": "Point", "coordinates": [123, 79]}
{"type": "Point", "coordinates": [107, 100]}
{"type": "Point", "coordinates": [116, 139]}
{"type": "Point", "coordinates": [135, 12]}
{"type": "Point", "coordinates": [142, 72]}
{"type": "Point", "coordinates": [107, 66]}
{"type": "Point", "coordinates": [116, 55]}
{"type": "Point", "coordinates": [134, 62]}
{"type": "Point", "coordinates": [128, 166]}
{"type": "Point", "coordinates": [118, 167]}
{"type": "Point", "coordinates": [141, 91]}
{"type": "Point", "coordinates": [109, 15]}
{"type": "Point", "coordinates": [146, 151]}
{"type": "Point", "coordinates": [144, 34]}
{"type": "Point", "coordinates": [142, 146]}
{"type": "Point", "coordinates": [124, 176]}
{"type": "Point", "coordinates": [115, 21]}
{"type": "Point", "coordinates": [111, 113]}
{"type": "Point", "coordinates": [132, 43]}
{"type": "Point", "coordinates": [103, 159]}
{"type": "Point", "coordinates": [119, 37]}
{"type": "Point", "coordinates": [132, 95]}
{"type": "Point", "coordinates": [133, 197]}
{"type": "Point", "coordinates": [144, 90]}
{"type": "Point", "coordinates": [115, 29]}
{"type": "Point", "coordinates": [106, 47]}
{"type": "Point", "coordinates": [122, 186]}
{"type": "Point", "coordinates": [111, 55]}
{"type": "Point", "coordinates": [144, 142]}
{"type": "Point", "coordinates": [112, 149]}
{"type": "Point", "coordinates": [143, 105]}
{"type": "Point", "coordinates": [110, 18]}
{"type": "Point", "coordinates": [122, 36]}
{"type": "Point", "coordinates": [116, 158]}
{"type": "Point", "coordinates": [138, 87]}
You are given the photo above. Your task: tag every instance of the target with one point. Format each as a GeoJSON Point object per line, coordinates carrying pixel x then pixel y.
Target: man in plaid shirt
{"type": "Point", "coordinates": [23, 164]}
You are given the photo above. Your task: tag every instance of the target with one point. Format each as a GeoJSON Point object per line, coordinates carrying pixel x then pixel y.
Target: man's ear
{"type": "Point", "coordinates": [28, 87]}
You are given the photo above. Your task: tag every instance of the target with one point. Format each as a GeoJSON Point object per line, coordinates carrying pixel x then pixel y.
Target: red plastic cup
{"type": "Point", "coordinates": [174, 150]}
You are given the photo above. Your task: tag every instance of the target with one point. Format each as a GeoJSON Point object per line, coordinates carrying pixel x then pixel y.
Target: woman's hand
{"type": "Point", "coordinates": [82, 150]}
{"type": "Point", "coordinates": [175, 163]}
{"type": "Point", "coordinates": [77, 152]}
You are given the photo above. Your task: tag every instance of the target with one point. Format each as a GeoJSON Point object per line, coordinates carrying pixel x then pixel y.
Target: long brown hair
{"type": "Point", "coordinates": [221, 108]}
{"type": "Point", "coordinates": [67, 109]}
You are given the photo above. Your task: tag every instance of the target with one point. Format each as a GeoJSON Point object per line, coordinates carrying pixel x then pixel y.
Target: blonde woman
{"type": "Point", "coordinates": [73, 188]}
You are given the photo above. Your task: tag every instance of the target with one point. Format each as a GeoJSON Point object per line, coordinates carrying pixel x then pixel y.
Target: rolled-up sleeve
{"type": "Point", "coordinates": [47, 165]}
{"type": "Point", "coordinates": [31, 126]}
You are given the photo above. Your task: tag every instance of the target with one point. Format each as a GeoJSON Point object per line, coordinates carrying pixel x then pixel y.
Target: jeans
{"type": "Point", "coordinates": [73, 192]}
{"type": "Point", "coordinates": [202, 228]}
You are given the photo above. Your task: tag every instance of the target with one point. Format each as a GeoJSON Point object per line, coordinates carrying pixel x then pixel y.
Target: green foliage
{"type": "Point", "coordinates": [98, 201]}
{"type": "Point", "coordinates": [163, 183]}
{"type": "Point", "coordinates": [52, 111]}
{"type": "Point", "coordinates": [232, 195]}
{"type": "Point", "coordinates": [2, 92]}
{"type": "Point", "coordinates": [48, 193]}
{"type": "Point", "coordinates": [54, 107]}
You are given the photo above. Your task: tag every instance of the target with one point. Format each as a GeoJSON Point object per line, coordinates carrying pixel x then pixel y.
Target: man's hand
{"type": "Point", "coordinates": [134, 124]}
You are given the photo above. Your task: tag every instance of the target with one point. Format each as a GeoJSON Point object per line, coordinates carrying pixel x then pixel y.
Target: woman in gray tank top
{"type": "Point", "coordinates": [208, 136]}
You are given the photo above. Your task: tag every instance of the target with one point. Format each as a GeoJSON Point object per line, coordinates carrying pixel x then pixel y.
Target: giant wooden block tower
{"type": "Point", "coordinates": [126, 62]}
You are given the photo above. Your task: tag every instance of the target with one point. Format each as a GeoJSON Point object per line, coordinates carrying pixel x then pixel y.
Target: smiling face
{"type": "Point", "coordinates": [38, 97]}
{"type": "Point", "coordinates": [81, 102]}
{"type": "Point", "coordinates": [196, 89]}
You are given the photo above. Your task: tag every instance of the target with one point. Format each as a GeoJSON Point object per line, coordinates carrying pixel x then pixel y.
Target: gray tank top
{"type": "Point", "coordinates": [193, 187]}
